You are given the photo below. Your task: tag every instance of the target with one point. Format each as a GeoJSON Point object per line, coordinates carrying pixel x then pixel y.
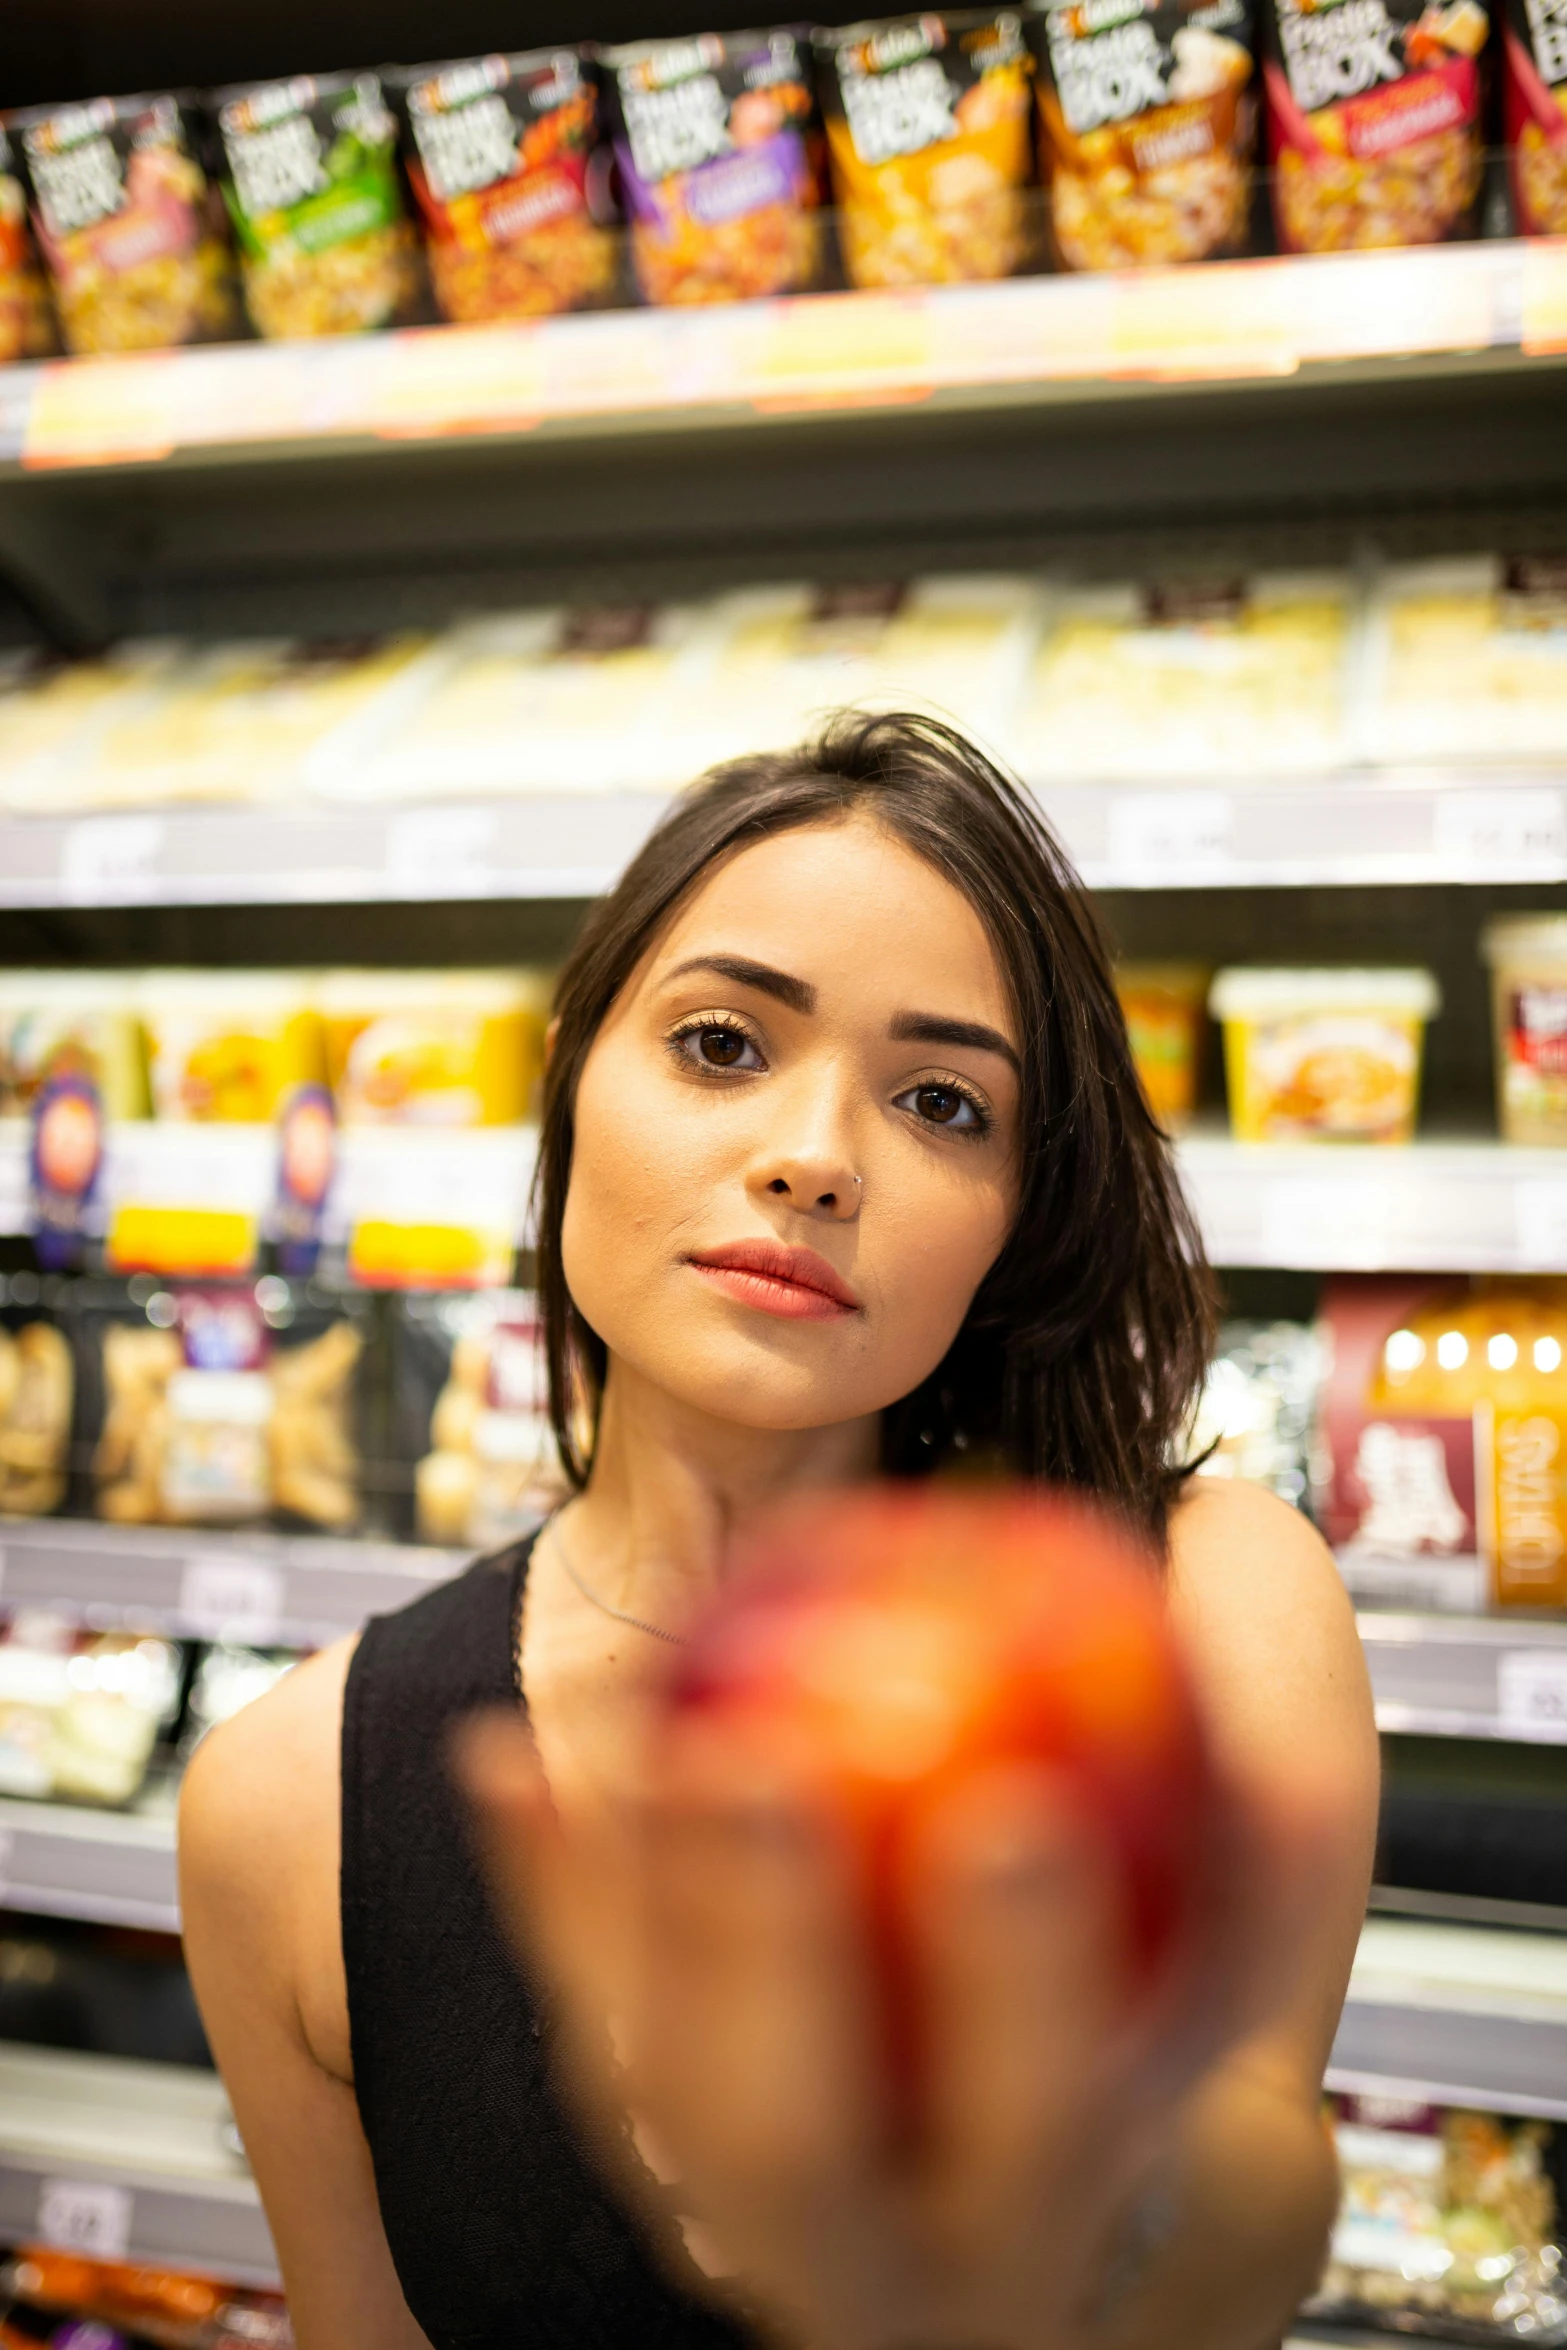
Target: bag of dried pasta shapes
{"type": "Point", "coordinates": [501, 155]}
{"type": "Point", "coordinates": [1534, 112]}
{"type": "Point", "coordinates": [1374, 120]}
{"type": "Point", "coordinates": [26, 326]}
{"type": "Point", "coordinates": [1146, 121]}
{"type": "Point", "coordinates": [1449, 2223]}
{"type": "Point", "coordinates": [128, 227]}
{"type": "Point", "coordinates": [929, 136]}
{"type": "Point", "coordinates": [717, 158]}
{"type": "Point", "coordinates": [311, 184]}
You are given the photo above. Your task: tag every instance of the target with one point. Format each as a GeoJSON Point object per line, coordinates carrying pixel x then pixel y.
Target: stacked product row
{"type": "Point", "coordinates": [1207, 678]}
{"type": "Point", "coordinates": [719, 153]}
{"type": "Point", "coordinates": [65, 2302]}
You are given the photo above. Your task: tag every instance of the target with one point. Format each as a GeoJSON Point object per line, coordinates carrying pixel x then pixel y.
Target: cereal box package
{"type": "Point", "coordinates": [1374, 126]}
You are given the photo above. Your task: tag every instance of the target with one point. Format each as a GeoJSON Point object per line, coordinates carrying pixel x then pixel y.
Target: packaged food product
{"type": "Point", "coordinates": [80, 1713]}
{"type": "Point", "coordinates": [718, 163]}
{"type": "Point", "coordinates": [26, 322]}
{"type": "Point", "coordinates": [261, 719]}
{"type": "Point", "coordinates": [1374, 120]}
{"type": "Point", "coordinates": [552, 699]}
{"type": "Point", "coordinates": [37, 1401]}
{"type": "Point", "coordinates": [71, 1024]}
{"type": "Point", "coordinates": [491, 1471]}
{"type": "Point", "coordinates": [499, 152]}
{"type": "Point", "coordinates": [215, 1412]}
{"type": "Point", "coordinates": [1323, 1055]}
{"type": "Point", "coordinates": [171, 2309]}
{"type": "Point", "coordinates": [126, 223]}
{"type": "Point", "coordinates": [1146, 129]}
{"type": "Point", "coordinates": [1164, 1005]}
{"type": "Point", "coordinates": [1448, 2224]}
{"type": "Point", "coordinates": [52, 711]}
{"type": "Point", "coordinates": [1149, 680]}
{"type": "Point", "coordinates": [229, 1045]}
{"type": "Point", "coordinates": [1469, 660]}
{"type": "Point", "coordinates": [772, 661]}
{"type": "Point", "coordinates": [325, 245]}
{"type": "Point", "coordinates": [929, 136]}
{"type": "Point", "coordinates": [1445, 1427]}
{"type": "Point", "coordinates": [1534, 114]}
{"type": "Point", "coordinates": [434, 1048]}
{"type": "Point", "coordinates": [1256, 1418]}
{"type": "Point", "coordinates": [228, 1677]}
{"type": "Point", "coordinates": [1528, 958]}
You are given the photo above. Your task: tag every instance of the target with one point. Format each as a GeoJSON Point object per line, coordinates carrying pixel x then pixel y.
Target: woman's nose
{"type": "Point", "coordinates": [817, 1182]}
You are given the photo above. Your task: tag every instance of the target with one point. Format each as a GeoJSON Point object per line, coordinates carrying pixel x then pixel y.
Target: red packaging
{"type": "Point", "coordinates": [1374, 121]}
{"type": "Point", "coordinates": [1534, 113]}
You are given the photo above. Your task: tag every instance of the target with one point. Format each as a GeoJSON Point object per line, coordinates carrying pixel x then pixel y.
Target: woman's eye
{"type": "Point", "coordinates": [715, 1046]}
{"type": "Point", "coordinates": [944, 1105]}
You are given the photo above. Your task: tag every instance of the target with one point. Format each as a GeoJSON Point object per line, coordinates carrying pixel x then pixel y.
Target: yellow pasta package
{"type": "Point", "coordinates": [1146, 122]}
{"type": "Point", "coordinates": [928, 135]}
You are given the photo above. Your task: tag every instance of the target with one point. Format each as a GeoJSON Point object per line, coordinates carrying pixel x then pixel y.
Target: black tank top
{"type": "Point", "coordinates": [502, 2235]}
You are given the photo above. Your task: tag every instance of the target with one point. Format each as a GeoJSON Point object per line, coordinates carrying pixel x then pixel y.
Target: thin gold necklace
{"type": "Point", "coordinates": [620, 1614]}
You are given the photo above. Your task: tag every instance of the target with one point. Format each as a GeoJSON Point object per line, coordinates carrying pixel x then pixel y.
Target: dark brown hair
{"type": "Point", "coordinates": [1080, 1359]}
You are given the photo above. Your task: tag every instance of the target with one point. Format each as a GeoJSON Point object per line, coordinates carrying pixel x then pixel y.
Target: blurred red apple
{"type": "Point", "coordinates": [887, 1645]}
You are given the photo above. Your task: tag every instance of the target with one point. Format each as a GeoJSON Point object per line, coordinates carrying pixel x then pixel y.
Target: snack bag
{"type": "Point", "coordinates": [325, 245]}
{"type": "Point", "coordinates": [488, 1470]}
{"type": "Point", "coordinates": [499, 151]}
{"type": "Point", "coordinates": [1374, 120]}
{"type": "Point", "coordinates": [126, 223]}
{"type": "Point", "coordinates": [1534, 113]}
{"type": "Point", "coordinates": [928, 135]}
{"type": "Point", "coordinates": [717, 161]}
{"type": "Point", "coordinates": [1146, 126]}
{"type": "Point", "coordinates": [37, 1400]}
{"type": "Point", "coordinates": [26, 326]}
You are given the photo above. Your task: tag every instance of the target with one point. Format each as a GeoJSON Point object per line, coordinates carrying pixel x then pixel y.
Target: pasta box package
{"type": "Point", "coordinates": [718, 160]}
{"type": "Point", "coordinates": [1374, 120]}
{"type": "Point", "coordinates": [929, 137]}
{"type": "Point", "coordinates": [311, 182]}
{"type": "Point", "coordinates": [503, 160]}
{"type": "Point", "coordinates": [1147, 122]}
{"type": "Point", "coordinates": [1534, 113]}
{"type": "Point", "coordinates": [126, 222]}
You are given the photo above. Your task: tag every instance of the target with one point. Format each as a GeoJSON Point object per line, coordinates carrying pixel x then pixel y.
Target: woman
{"type": "Point", "coordinates": [845, 1170]}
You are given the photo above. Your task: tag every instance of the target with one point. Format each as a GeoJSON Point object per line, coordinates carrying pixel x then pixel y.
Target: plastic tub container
{"type": "Point", "coordinates": [1528, 959]}
{"type": "Point", "coordinates": [229, 1046]}
{"type": "Point", "coordinates": [434, 1048]}
{"type": "Point", "coordinates": [1323, 1055]}
{"type": "Point", "coordinates": [1163, 1004]}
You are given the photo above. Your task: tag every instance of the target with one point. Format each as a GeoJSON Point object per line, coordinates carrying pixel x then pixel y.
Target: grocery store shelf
{"type": "Point", "coordinates": [265, 1589]}
{"type": "Point", "coordinates": [1023, 341]}
{"type": "Point", "coordinates": [1468, 1677]}
{"type": "Point", "coordinates": [128, 2161]}
{"type": "Point", "coordinates": [1456, 2015]}
{"type": "Point", "coordinates": [1435, 1206]}
{"type": "Point", "coordinates": [1352, 828]}
{"type": "Point", "coordinates": [114, 1867]}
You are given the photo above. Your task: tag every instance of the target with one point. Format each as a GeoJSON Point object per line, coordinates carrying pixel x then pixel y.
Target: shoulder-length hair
{"type": "Point", "coordinates": [1080, 1359]}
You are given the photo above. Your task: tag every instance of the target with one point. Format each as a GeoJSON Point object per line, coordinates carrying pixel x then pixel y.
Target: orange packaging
{"type": "Point", "coordinates": [1163, 1005]}
{"type": "Point", "coordinates": [1374, 121]}
{"type": "Point", "coordinates": [1521, 1452]}
{"type": "Point", "coordinates": [928, 134]}
{"type": "Point", "coordinates": [1146, 123]}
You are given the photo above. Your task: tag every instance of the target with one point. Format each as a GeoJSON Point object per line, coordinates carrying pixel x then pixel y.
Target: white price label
{"type": "Point", "coordinates": [1531, 1693]}
{"type": "Point", "coordinates": [226, 1596]}
{"type": "Point", "coordinates": [83, 2215]}
{"type": "Point", "coordinates": [442, 852]}
{"type": "Point", "coordinates": [1323, 1225]}
{"type": "Point", "coordinates": [106, 859]}
{"type": "Point", "coordinates": [1540, 1221]}
{"type": "Point", "coordinates": [1174, 832]}
{"type": "Point", "coordinates": [1506, 830]}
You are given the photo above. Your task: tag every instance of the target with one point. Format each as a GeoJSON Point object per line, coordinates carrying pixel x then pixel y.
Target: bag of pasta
{"type": "Point", "coordinates": [26, 327]}
{"type": "Point", "coordinates": [126, 222]}
{"type": "Point", "coordinates": [717, 155]}
{"type": "Point", "coordinates": [1374, 127]}
{"type": "Point", "coordinates": [1146, 122]}
{"type": "Point", "coordinates": [501, 154]}
{"type": "Point", "coordinates": [311, 185]}
{"type": "Point", "coordinates": [1534, 111]}
{"type": "Point", "coordinates": [928, 134]}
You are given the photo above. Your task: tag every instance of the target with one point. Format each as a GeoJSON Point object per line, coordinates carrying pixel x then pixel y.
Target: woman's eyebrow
{"type": "Point", "coordinates": [932, 1028]}
{"type": "Point", "coordinates": [798, 994]}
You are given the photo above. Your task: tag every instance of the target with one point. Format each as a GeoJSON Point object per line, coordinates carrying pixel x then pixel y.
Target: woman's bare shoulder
{"type": "Point", "coordinates": [260, 1846]}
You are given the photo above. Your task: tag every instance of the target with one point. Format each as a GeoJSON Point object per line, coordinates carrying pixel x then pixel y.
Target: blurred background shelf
{"type": "Point", "coordinates": [114, 1867]}
{"type": "Point", "coordinates": [1456, 2015]}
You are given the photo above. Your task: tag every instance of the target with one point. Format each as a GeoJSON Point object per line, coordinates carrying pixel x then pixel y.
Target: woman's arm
{"type": "Point", "coordinates": [259, 1841]}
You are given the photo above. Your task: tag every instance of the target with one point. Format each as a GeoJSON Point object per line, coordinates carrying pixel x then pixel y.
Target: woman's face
{"type": "Point", "coordinates": [796, 1135]}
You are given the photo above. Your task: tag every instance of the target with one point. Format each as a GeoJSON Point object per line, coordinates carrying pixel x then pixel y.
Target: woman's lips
{"type": "Point", "coordinates": [794, 1283]}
